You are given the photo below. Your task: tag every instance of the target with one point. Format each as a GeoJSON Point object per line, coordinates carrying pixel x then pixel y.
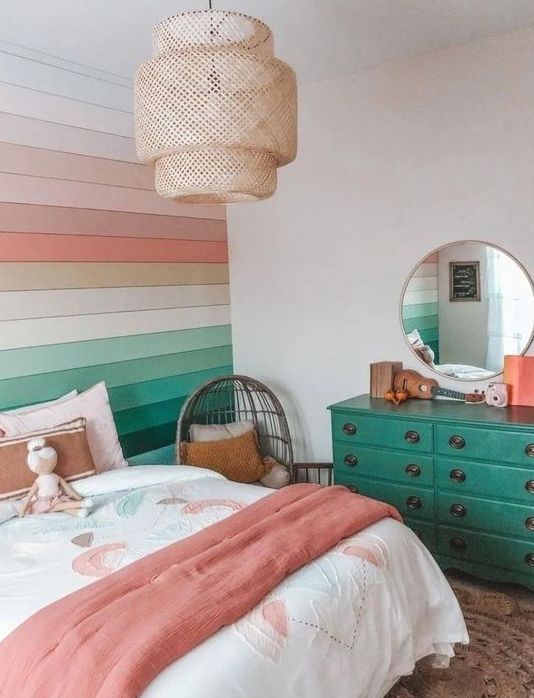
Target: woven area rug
{"type": "Point", "coordinates": [499, 662]}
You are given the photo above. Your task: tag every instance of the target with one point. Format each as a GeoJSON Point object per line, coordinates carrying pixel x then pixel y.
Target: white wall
{"type": "Point", "coordinates": [393, 162]}
{"type": "Point", "coordinates": [463, 325]}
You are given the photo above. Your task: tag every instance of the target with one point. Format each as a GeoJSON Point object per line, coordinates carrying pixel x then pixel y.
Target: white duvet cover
{"type": "Point", "coordinates": [347, 625]}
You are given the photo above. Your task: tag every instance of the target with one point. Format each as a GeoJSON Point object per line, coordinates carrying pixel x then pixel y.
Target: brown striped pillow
{"type": "Point", "coordinates": [74, 459]}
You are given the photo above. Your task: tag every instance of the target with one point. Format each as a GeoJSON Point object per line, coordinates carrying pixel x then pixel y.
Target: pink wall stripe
{"type": "Point", "coordinates": [39, 162]}
{"type": "Point", "coordinates": [29, 218]}
{"type": "Point", "coordinates": [52, 192]}
{"type": "Point", "coordinates": [44, 134]}
{"type": "Point", "coordinates": [24, 247]}
{"type": "Point", "coordinates": [432, 258]}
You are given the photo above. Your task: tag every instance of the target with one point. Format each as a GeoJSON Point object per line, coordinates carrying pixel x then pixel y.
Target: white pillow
{"type": "Point", "coordinates": [38, 405]}
{"type": "Point", "coordinates": [93, 404]}
{"type": "Point", "coordinates": [218, 432]}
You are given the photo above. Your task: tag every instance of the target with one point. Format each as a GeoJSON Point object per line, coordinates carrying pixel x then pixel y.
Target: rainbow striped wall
{"type": "Point", "coordinates": [100, 279]}
{"type": "Point", "coordinates": [420, 304]}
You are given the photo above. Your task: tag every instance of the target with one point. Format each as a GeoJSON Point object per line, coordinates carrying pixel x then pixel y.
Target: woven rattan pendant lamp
{"type": "Point", "coordinates": [215, 111]}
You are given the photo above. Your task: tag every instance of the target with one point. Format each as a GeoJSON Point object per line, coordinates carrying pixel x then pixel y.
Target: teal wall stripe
{"type": "Point", "coordinates": [148, 392]}
{"type": "Point", "coordinates": [152, 438]}
{"type": "Point", "coordinates": [148, 416]}
{"type": "Point", "coordinates": [431, 335]}
{"type": "Point", "coordinates": [419, 310]}
{"type": "Point", "coordinates": [29, 389]}
{"type": "Point", "coordinates": [160, 456]}
{"type": "Point", "coordinates": [15, 363]}
{"type": "Point", "coordinates": [421, 323]}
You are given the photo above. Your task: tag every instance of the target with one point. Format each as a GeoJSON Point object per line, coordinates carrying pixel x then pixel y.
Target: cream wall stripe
{"type": "Point", "coordinates": [17, 305]}
{"type": "Point", "coordinates": [50, 192]}
{"type": "Point", "coordinates": [23, 276]}
{"type": "Point", "coordinates": [40, 162]}
{"type": "Point", "coordinates": [36, 56]}
{"type": "Point", "coordinates": [61, 110]}
{"type": "Point", "coordinates": [31, 333]}
{"type": "Point", "coordinates": [427, 269]}
{"type": "Point", "coordinates": [31, 218]}
{"type": "Point", "coordinates": [44, 134]}
{"type": "Point", "coordinates": [38, 75]}
{"type": "Point", "coordinates": [420, 283]}
{"type": "Point", "coordinates": [426, 296]}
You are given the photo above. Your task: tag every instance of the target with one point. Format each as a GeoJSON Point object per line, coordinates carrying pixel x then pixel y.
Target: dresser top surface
{"type": "Point", "coordinates": [446, 410]}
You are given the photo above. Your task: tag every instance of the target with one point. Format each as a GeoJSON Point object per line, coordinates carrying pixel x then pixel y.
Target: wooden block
{"type": "Point", "coordinates": [382, 374]}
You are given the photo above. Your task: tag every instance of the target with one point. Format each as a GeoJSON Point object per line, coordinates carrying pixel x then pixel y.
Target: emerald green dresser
{"type": "Point", "coordinates": [462, 476]}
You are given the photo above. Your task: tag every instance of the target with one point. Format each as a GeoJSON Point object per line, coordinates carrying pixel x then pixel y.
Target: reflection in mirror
{"type": "Point", "coordinates": [465, 307]}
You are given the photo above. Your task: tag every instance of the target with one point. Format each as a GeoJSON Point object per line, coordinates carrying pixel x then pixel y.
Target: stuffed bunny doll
{"type": "Point", "coordinates": [50, 492]}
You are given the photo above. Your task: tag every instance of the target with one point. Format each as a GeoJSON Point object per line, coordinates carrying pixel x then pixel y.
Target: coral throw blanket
{"type": "Point", "coordinates": [112, 638]}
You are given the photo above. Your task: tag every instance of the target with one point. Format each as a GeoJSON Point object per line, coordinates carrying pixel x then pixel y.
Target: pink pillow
{"type": "Point", "coordinates": [31, 408]}
{"type": "Point", "coordinates": [93, 404]}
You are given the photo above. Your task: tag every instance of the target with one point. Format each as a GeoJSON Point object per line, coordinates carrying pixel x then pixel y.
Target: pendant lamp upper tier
{"type": "Point", "coordinates": [215, 111]}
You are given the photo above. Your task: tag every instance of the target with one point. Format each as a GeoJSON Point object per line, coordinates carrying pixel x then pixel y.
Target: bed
{"type": "Point", "coordinates": [348, 624]}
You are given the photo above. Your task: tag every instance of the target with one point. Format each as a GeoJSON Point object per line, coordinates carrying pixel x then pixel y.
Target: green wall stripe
{"type": "Point", "coordinates": [147, 392]}
{"type": "Point", "coordinates": [151, 439]}
{"type": "Point", "coordinates": [419, 310]}
{"type": "Point", "coordinates": [160, 456]}
{"type": "Point", "coordinates": [421, 323]}
{"type": "Point", "coordinates": [430, 335]}
{"type": "Point", "coordinates": [15, 363]}
{"type": "Point", "coordinates": [435, 348]}
{"type": "Point", "coordinates": [29, 389]}
{"type": "Point", "coordinates": [148, 416]}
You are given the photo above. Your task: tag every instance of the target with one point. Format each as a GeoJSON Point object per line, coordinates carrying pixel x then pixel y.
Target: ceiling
{"type": "Point", "coordinates": [319, 38]}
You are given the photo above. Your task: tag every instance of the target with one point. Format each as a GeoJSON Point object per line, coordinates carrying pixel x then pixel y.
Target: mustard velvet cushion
{"type": "Point", "coordinates": [237, 458]}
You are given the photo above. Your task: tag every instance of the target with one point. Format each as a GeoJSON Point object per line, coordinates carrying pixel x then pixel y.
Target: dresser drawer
{"type": "Point", "coordinates": [487, 549]}
{"type": "Point", "coordinates": [412, 502]}
{"type": "Point", "coordinates": [498, 517]}
{"type": "Point", "coordinates": [424, 530]}
{"type": "Point", "coordinates": [485, 480]}
{"type": "Point", "coordinates": [405, 434]}
{"type": "Point", "coordinates": [405, 468]}
{"type": "Point", "coordinates": [500, 446]}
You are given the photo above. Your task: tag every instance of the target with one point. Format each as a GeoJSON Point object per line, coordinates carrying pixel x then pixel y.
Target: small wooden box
{"type": "Point", "coordinates": [382, 374]}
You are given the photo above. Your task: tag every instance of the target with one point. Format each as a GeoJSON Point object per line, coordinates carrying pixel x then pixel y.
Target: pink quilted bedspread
{"type": "Point", "coordinates": [112, 638]}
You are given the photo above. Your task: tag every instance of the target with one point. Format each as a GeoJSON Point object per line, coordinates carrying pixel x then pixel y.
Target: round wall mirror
{"type": "Point", "coordinates": [465, 307]}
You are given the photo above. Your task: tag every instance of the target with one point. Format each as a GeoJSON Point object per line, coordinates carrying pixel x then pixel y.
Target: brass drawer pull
{"type": "Point", "coordinates": [529, 450]}
{"type": "Point", "coordinates": [349, 429]}
{"type": "Point", "coordinates": [459, 475]}
{"type": "Point", "coordinates": [459, 543]}
{"type": "Point", "coordinates": [352, 488]}
{"type": "Point", "coordinates": [412, 470]}
{"type": "Point", "coordinates": [529, 486]}
{"type": "Point", "coordinates": [458, 510]}
{"type": "Point", "coordinates": [414, 503]}
{"type": "Point", "coordinates": [350, 460]}
{"type": "Point", "coordinates": [529, 559]}
{"type": "Point", "coordinates": [412, 437]}
{"type": "Point", "coordinates": [529, 523]}
{"type": "Point", "coordinates": [457, 441]}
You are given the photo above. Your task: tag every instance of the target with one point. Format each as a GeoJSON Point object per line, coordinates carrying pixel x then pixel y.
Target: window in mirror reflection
{"type": "Point", "coordinates": [468, 339]}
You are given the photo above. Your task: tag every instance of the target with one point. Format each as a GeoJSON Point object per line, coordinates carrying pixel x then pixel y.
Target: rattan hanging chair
{"type": "Point", "coordinates": [240, 398]}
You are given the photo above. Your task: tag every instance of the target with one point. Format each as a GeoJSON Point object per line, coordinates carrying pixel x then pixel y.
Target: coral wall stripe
{"type": "Point", "coordinates": [15, 363]}
{"type": "Point", "coordinates": [31, 218]}
{"type": "Point", "coordinates": [37, 332]}
{"type": "Point", "coordinates": [124, 373]}
{"type": "Point", "coordinates": [32, 247]}
{"type": "Point", "coordinates": [51, 192]}
{"type": "Point", "coordinates": [27, 102]}
{"type": "Point", "coordinates": [44, 134]}
{"type": "Point", "coordinates": [23, 305]}
{"type": "Point", "coordinates": [39, 162]}
{"type": "Point", "coordinates": [25, 276]}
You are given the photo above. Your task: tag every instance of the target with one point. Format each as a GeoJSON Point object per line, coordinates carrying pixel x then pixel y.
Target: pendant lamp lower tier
{"type": "Point", "coordinates": [215, 111]}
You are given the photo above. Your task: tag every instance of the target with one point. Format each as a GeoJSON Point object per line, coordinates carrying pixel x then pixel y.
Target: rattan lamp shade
{"type": "Point", "coordinates": [215, 111]}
